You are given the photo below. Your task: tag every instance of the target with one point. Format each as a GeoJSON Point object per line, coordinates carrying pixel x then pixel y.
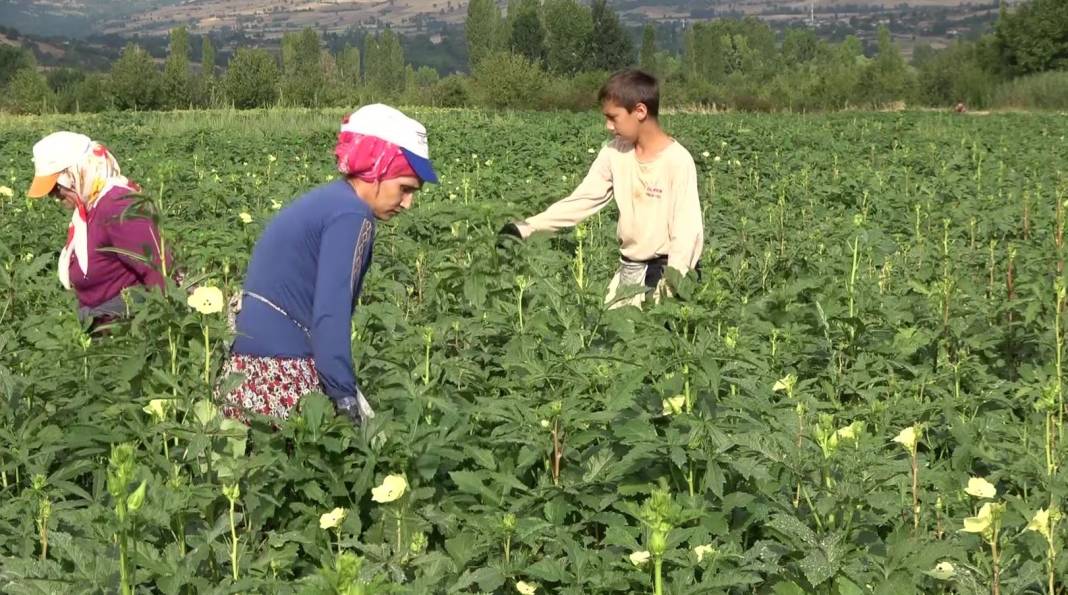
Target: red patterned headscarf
{"type": "Point", "coordinates": [370, 158]}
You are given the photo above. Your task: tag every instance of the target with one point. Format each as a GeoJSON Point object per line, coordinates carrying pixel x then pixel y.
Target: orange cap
{"type": "Point", "coordinates": [42, 185]}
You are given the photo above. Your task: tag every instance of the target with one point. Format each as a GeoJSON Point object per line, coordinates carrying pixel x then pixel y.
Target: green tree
{"type": "Point", "coordinates": [800, 46]}
{"type": "Point", "coordinates": [13, 59]}
{"type": "Point", "coordinates": [743, 51]}
{"type": "Point", "coordinates": [426, 77]}
{"type": "Point", "coordinates": [94, 94]}
{"type": "Point", "coordinates": [176, 76]}
{"type": "Point", "coordinates": [207, 58]}
{"type": "Point", "coordinates": [1034, 38]}
{"type": "Point", "coordinates": [508, 81]}
{"type": "Point", "coordinates": [369, 59]}
{"type": "Point", "coordinates": [451, 91]}
{"type": "Point", "coordinates": [206, 88]}
{"type": "Point", "coordinates": [689, 53]}
{"type": "Point", "coordinates": [136, 80]}
{"type": "Point", "coordinates": [482, 29]}
{"type": "Point", "coordinates": [960, 72]}
{"type": "Point", "coordinates": [610, 46]}
{"type": "Point", "coordinates": [527, 33]}
{"type": "Point", "coordinates": [568, 27]}
{"type": "Point", "coordinates": [348, 65]}
{"type": "Point", "coordinates": [28, 93]}
{"type": "Point", "coordinates": [886, 78]}
{"type": "Point", "coordinates": [252, 79]}
{"type": "Point", "coordinates": [841, 75]}
{"type": "Point", "coordinates": [647, 56]}
{"type": "Point", "coordinates": [384, 70]}
{"type": "Point", "coordinates": [64, 82]}
{"type": "Point", "coordinates": [60, 79]}
{"type": "Point", "coordinates": [420, 84]}
{"type": "Point", "coordinates": [302, 65]}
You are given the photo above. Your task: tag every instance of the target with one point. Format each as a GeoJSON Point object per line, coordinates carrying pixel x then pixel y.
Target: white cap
{"type": "Point", "coordinates": [52, 155]}
{"type": "Point", "coordinates": [391, 125]}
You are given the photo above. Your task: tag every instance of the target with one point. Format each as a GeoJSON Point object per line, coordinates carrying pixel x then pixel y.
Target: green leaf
{"type": "Point", "coordinates": [817, 568]}
{"type": "Point", "coordinates": [787, 588]}
{"type": "Point", "coordinates": [548, 569]}
{"type": "Point", "coordinates": [314, 408]}
{"type": "Point", "coordinates": [488, 579]}
{"type": "Point", "coordinates": [794, 529]}
{"type": "Point", "coordinates": [462, 548]}
{"type": "Point", "coordinates": [596, 464]}
{"type": "Point", "coordinates": [471, 482]}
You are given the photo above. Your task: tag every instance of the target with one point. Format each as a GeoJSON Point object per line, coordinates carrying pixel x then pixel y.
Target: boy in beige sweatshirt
{"type": "Point", "coordinates": [653, 180]}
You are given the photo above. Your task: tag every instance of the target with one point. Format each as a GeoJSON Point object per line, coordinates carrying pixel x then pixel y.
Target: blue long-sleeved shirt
{"type": "Point", "coordinates": [310, 262]}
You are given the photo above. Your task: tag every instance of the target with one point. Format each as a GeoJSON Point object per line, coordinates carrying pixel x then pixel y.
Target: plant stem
{"type": "Point", "coordinates": [558, 451]}
{"type": "Point", "coordinates": [812, 508]}
{"type": "Point", "coordinates": [853, 278]}
{"type": "Point", "coordinates": [163, 254]}
{"type": "Point", "coordinates": [915, 493]}
{"type": "Point", "coordinates": [658, 580]}
{"type": "Point", "coordinates": [207, 357]}
{"type": "Point", "coordinates": [800, 441]}
{"type": "Point", "coordinates": [519, 304]}
{"type": "Point", "coordinates": [1059, 342]}
{"type": "Point", "coordinates": [1058, 237]}
{"type": "Point", "coordinates": [124, 571]}
{"type": "Point", "coordinates": [43, 527]}
{"type": "Point", "coordinates": [508, 549]}
{"type": "Point", "coordinates": [990, 286]}
{"type": "Point", "coordinates": [181, 535]}
{"type": "Point", "coordinates": [233, 542]}
{"type": "Point", "coordinates": [1050, 468]}
{"type": "Point", "coordinates": [399, 534]}
{"type": "Point", "coordinates": [426, 361]}
{"type": "Point", "coordinates": [580, 264]}
{"type": "Point", "coordinates": [994, 558]}
{"type": "Point", "coordinates": [686, 386]}
{"type": "Point", "coordinates": [1051, 565]}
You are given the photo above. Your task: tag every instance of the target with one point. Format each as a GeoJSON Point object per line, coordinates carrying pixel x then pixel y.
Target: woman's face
{"type": "Point", "coordinates": [391, 196]}
{"type": "Point", "coordinates": [65, 195]}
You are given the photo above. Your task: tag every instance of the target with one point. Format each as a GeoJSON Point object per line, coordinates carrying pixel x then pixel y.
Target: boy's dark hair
{"type": "Point", "coordinates": [628, 88]}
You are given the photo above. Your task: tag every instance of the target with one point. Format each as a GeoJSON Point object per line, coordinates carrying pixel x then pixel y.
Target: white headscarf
{"type": "Point", "coordinates": [94, 175]}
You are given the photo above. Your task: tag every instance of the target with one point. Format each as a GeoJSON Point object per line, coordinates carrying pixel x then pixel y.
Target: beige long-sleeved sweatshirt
{"type": "Point", "coordinates": [659, 210]}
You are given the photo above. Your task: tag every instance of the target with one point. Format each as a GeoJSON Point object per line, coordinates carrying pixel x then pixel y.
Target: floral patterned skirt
{"type": "Point", "coordinates": [272, 386]}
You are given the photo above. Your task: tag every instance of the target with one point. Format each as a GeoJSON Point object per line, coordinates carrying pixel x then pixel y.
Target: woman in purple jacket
{"type": "Point", "coordinates": [85, 177]}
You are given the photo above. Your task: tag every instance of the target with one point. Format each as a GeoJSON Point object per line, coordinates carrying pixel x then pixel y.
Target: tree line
{"type": "Point", "coordinates": [553, 54]}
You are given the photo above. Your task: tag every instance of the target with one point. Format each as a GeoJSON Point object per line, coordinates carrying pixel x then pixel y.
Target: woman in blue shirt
{"type": "Point", "coordinates": [307, 269]}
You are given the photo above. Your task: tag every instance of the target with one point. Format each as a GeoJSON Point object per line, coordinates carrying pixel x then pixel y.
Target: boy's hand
{"type": "Point", "coordinates": [508, 234]}
{"type": "Point", "coordinates": [510, 229]}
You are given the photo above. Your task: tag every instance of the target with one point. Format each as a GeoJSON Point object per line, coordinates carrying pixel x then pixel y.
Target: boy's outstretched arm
{"type": "Point", "coordinates": [686, 229]}
{"type": "Point", "coordinates": [591, 196]}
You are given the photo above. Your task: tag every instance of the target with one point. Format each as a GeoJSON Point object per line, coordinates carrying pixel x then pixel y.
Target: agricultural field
{"type": "Point", "coordinates": [863, 393]}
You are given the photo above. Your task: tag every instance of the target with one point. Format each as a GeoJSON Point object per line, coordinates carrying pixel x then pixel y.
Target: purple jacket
{"type": "Point", "coordinates": [109, 272]}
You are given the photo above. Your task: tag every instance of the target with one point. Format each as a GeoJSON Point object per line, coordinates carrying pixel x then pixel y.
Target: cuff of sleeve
{"type": "Point", "coordinates": [525, 229]}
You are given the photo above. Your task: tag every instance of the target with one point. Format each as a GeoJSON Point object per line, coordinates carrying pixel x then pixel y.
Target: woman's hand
{"type": "Point", "coordinates": [356, 409]}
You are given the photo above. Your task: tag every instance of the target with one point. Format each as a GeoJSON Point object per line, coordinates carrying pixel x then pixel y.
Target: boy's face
{"type": "Point", "coordinates": [622, 123]}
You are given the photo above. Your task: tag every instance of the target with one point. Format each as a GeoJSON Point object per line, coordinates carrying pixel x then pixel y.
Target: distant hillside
{"type": "Point", "coordinates": [83, 18]}
{"type": "Point", "coordinates": [90, 33]}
